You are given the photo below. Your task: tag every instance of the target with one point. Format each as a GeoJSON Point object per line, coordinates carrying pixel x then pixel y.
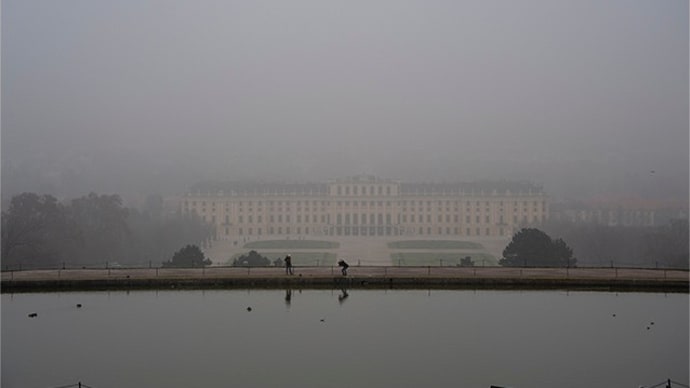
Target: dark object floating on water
{"type": "Point", "coordinates": [78, 305]}
{"type": "Point", "coordinates": [647, 327]}
{"type": "Point", "coordinates": [33, 315]}
{"type": "Point", "coordinates": [614, 315]}
{"type": "Point", "coordinates": [651, 323]}
{"type": "Point", "coordinates": [249, 309]}
{"type": "Point", "coordinates": [323, 320]}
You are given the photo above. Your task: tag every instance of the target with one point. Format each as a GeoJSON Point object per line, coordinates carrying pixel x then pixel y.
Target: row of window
{"type": "Point", "coordinates": [364, 231]}
{"type": "Point", "coordinates": [403, 203]}
{"type": "Point", "coordinates": [362, 190]}
{"type": "Point", "coordinates": [373, 219]}
{"type": "Point", "coordinates": [404, 211]}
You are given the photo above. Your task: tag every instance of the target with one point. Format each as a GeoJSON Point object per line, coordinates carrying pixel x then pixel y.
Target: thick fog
{"type": "Point", "coordinates": [130, 97]}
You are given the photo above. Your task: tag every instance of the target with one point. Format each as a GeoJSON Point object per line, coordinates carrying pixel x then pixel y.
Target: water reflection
{"type": "Point", "coordinates": [478, 330]}
{"type": "Point", "coordinates": [288, 297]}
{"type": "Point", "coordinates": [344, 295]}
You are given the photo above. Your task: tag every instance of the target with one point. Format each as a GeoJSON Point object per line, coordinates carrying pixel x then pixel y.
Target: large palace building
{"type": "Point", "coordinates": [367, 206]}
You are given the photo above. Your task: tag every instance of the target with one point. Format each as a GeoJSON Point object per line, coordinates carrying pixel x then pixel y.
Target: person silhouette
{"type": "Point", "coordinates": [288, 265]}
{"type": "Point", "coordinates": [343, 264]}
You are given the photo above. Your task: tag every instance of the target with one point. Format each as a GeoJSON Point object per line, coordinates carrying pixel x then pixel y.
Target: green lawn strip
{"type": "Point", "coordinates": [291, 244]}
{"type": "Point", "coordinates": [434, 259]}
{"type": "Point", "coordinates": [309, 259]}
{"type": "Point", "coordinates": [434, 244]}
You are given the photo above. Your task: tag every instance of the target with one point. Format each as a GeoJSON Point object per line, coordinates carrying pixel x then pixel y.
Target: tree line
{"type": "Point", "coordinates": [626, 246]}
{"type": "Point", "coordinates": [600, 245]}
{"type": "Point", "coordinates": [92, 230]}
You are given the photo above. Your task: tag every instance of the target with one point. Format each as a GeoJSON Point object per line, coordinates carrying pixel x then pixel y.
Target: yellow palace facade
{"type": "Point", "coordinates": [366, 206]}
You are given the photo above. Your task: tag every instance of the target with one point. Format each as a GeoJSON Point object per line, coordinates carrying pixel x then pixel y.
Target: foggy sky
{"type": "Point", "coordinates": [127, 96]}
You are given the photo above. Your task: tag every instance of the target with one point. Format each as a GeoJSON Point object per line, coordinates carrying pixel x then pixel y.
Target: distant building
{"type": "Point", "coordinates": [367, 206]}
{"type": "Point", "coordinates": [619, 211]}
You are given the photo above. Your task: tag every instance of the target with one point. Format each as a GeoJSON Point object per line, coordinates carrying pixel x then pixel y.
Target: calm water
{"type": "Point", "coordinates": [317, 338]}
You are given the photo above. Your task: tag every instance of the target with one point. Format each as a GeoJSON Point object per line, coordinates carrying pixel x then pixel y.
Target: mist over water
{"type": "Point", "coordinates": [588, 99]}
{"type": "Point", "coordinates": [584, 97]}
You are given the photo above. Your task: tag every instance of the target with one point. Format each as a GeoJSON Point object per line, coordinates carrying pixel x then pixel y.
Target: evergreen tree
{"type": "Point", "coordinates": [188, 257]}
{"type": "Point", "coordinates": [530, 247]}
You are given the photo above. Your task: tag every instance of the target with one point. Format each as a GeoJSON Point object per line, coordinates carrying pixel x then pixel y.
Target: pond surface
{"type": "Point", "coordinates": [359, 338]}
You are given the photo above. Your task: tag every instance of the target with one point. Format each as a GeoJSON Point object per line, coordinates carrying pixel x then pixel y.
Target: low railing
{"type": "Point", "coordinates": [441, 263]}
{"type": "Point", "coordinates": [8, 273]}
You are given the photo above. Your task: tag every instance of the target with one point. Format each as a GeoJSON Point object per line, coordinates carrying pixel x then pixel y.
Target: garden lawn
{"type": "Point", "coordinates": [434, 244]}
{"type": "Point", "coordinates": [299, 259]}
{"type": "Point", "coordinates": [291, 244]}
{"type": "Point", "coordinates": [423, 259]}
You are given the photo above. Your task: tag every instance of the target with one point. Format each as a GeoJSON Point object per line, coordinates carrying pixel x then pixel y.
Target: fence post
{"type": "Point", "coordinates": [385, 271]}
{"type": "Point", "coordinates": [428, 270]}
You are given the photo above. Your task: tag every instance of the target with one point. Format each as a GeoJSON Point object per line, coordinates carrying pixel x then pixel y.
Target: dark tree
{"type": "Point", "coordinates": [531, 247]}
{"type": "Point", "coordinates": [34, 229]}
{"type": "Point", "coordinates": [102, 223]}
{"type": "Point", "coordinates": [188, 257]}
{"type": "Point", "coordinates": [39, 231]}
{"type": "Point", "coordinates": [252, 259]}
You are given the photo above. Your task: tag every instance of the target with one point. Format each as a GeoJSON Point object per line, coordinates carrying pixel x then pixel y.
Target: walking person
{"type": "Point", "coordinates": [288, 265]}
{"type": "Point", "coordinates": [343, 264]}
